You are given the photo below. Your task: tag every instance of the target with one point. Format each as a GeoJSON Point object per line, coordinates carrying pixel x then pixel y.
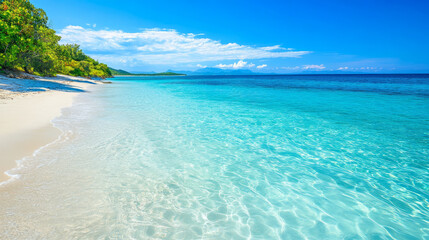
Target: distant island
{"type": "Point", "coordinates": [120, 72]}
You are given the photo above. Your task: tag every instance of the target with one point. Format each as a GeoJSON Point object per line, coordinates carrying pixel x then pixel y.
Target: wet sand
{"type": "Point", "coordinates": [26, 110]}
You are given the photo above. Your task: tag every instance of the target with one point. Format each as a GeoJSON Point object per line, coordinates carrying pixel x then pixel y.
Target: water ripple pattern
{"type": "Point", "coordinates": [233, 157]}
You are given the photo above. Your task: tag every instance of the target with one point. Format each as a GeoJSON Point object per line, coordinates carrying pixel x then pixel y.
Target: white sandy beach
{"type": "Point", "coordinates": [26, 110]}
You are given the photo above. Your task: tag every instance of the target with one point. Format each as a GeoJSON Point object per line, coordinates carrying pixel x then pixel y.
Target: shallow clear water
{"type": "Point", "coordinates": [243, 157]}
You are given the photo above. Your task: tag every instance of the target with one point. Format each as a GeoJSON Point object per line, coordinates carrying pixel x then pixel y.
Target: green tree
{"type": "Point", "coordinates": [28, 44]}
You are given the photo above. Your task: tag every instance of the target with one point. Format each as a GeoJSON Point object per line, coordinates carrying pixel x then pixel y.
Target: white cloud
{"type": "Point", "coordinates": [76, 27]}
{"type": "Point", "coordinates": [237, 65]}
{"type": "Point", "coordinates": [276, 47]}
{"type": "Point", "coordinates": [201, 66]}
{"type": "Point", "coordinates": [261, 66]}
{"type": "Point", "coordinates": [164, 46]}
{"type": "Point", "coordinates": [315, 67]}
{"type": "Point", "coordinates": [360, 68]}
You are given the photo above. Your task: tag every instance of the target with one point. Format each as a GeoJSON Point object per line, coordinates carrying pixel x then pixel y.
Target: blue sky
{"type": "Point", "coordinates": [263, 36]}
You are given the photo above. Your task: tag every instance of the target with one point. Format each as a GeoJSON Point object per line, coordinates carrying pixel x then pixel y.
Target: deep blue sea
{"type": "Point", "coordinates": [236, 157]}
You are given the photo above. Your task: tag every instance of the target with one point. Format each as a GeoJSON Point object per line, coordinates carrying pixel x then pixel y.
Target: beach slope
{"type": "Point", "coordinates": [27, 107]}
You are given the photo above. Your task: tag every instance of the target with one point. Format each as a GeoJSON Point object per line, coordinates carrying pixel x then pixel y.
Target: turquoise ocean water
{"type": "Point", "coordinates": [233, 157]}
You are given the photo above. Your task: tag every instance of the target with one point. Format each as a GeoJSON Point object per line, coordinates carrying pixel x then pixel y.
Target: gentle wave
{"type": "Point", "coordinates": [155, 160]}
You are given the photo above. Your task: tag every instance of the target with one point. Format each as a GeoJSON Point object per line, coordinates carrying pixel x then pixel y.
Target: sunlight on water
{"type": "Point", "coordinates": [316, 157]}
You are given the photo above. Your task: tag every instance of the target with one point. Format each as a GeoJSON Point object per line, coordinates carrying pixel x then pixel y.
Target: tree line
{"type": "Point", "coordinates": [28, 44]}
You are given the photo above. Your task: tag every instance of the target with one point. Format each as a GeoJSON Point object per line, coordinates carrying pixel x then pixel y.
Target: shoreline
{"type": "Point", "coordinates": [27, 108]}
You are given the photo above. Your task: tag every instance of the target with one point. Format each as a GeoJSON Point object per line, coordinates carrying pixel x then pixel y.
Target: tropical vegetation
{"type": "Point", "coordinates": [28, 44]}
